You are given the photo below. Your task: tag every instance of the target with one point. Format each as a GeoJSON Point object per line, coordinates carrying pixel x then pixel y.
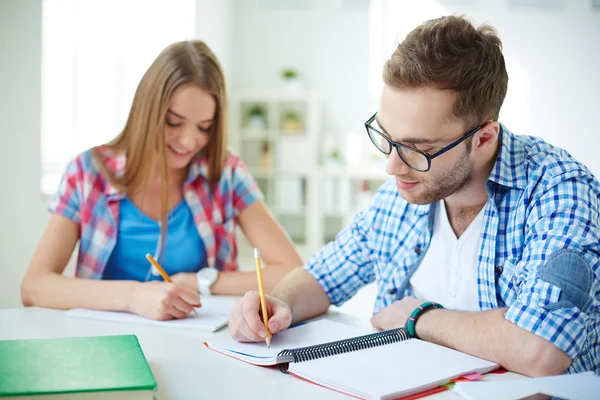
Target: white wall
{"type": "Point", "coordinates": [326, 41]}
{"type": "Point", "coordinates": [22, 210]}
{"type": "Point", "coordinates": [214, 27]}
{"type": "Point", "coordinates": [559, 50]}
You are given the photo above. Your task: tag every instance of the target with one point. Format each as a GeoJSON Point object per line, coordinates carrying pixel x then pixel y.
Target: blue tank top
{"type": "Point", "coordinates": [139, 234]}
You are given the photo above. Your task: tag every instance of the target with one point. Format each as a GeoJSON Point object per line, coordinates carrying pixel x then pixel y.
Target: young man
{"type": "Point", "coordinates": [502, 230]}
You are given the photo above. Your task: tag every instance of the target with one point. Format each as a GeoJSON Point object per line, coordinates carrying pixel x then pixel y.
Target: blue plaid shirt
{"type": "Point", "coordinates": [539, 256]}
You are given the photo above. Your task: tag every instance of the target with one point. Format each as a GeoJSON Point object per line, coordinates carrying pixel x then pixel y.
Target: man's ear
{"type": "Point", "coordinates": [487, 136]}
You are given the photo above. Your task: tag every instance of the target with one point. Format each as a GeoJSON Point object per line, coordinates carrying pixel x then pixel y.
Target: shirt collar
{"type": "Point", "coordinates": [198, 168]}
{"type": "Point", "coordinates": [116, 162]}
{"type": "Point", "coordinates": [509, 169]}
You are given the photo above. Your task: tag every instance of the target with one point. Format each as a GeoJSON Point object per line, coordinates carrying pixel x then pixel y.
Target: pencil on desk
{"type": "Point", "coordinates": [161, 271]}
{"type": "Point", "coordinates": [261, 293]}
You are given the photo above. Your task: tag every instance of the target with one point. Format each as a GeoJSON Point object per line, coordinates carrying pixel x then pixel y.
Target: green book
{"type": "Point", "coordinates": [99, 367]}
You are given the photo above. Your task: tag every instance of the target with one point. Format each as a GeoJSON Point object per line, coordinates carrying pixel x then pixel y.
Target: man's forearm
{"type": "Point", "coordinates": [303, 294]}
{"type": "Point", "coordinates": [489, 335]}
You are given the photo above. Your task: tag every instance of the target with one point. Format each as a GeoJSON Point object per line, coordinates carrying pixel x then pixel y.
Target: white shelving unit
{"type": "Point", "coordinates": [312, 202]}
{"type": "Point", "coordinates": [276, 134]}
{"type": "Point", "coordinates": [345, 191]}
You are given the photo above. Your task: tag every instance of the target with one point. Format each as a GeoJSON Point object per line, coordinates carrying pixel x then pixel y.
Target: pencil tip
{"type": "Point", "coordinates": [256, 253]}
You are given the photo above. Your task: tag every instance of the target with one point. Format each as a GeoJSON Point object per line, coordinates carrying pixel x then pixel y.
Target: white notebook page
{"type": "Point", "coordinates": [213, 315]}
{"type": "Point", "coordinates": [308, 334]}
{"type": "Point", "coordinates": [392, 370]}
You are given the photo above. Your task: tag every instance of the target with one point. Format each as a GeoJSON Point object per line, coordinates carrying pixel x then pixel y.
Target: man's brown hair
{"type": "Point", "coordinates": [450, 53]}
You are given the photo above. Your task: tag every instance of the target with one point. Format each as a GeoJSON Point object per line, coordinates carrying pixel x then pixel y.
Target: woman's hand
{"type": "Point", "coordinates": [186, 279]}
{"type": "Point", "coordinates": [163, 301]}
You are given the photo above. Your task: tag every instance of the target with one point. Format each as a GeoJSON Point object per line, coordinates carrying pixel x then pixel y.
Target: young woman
{"type": "Point", "coordinates": [168, 186]}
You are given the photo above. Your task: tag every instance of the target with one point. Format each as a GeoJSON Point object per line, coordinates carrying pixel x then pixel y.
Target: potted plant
{"type": "Point", "coordinates": [335, 155]}
{"type": "Point", "coordinates": [334, 158]}
{"type": "Point", "coordinates": [256, 117]}
{"type": "Point", "coordinates": [290, 77]}
{"type": "Point", "coordinates": [291, 122]}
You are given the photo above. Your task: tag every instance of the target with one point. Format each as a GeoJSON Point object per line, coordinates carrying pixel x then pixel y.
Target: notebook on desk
{"type": "Point", "coordinates": [213, 315]}
{"type": "Point", "coordinates": [84, 368]}
{"type": "Point", "coordinates": [383, 365]}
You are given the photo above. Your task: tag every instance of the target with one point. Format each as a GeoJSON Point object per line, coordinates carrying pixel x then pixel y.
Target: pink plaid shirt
{"type": "Point", "coordinates": [87, 198]}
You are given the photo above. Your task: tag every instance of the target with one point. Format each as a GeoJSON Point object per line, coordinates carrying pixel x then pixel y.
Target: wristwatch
{"type": "Point", "coordinates": [206, 277]}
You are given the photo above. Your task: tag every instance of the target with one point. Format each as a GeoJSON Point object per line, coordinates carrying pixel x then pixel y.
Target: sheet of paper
{"type": "Point", "coordinates": [213, 315]}
{"type": "Point", "coordinates": [583, 386]}
{"type": "Point", "coordinates": [308, 334]}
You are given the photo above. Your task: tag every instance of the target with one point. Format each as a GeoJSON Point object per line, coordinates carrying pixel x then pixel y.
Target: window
{"type": "Point", "coordinates": [94, 54]}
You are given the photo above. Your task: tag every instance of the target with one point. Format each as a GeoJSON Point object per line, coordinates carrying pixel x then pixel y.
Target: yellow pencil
{"type": "Point", "coordinates": [162, 272]}
{"type": "Point", "coordinates": [160, 269]}
{"type": "Point", "coordinates": [261, 292]}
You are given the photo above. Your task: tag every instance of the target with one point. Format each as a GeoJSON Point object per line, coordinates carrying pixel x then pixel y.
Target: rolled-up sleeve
{"type": "Point", "coordinates": [557, 276]}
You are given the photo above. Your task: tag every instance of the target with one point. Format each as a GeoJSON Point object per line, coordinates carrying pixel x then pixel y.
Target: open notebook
{"type": "Point", "coordinates": [213, 315]}
{"type": "Point", "coordinates": [383, 365]}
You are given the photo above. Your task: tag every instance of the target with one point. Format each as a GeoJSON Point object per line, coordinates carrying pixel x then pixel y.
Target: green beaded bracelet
{"type": "Point", "coordinates": [417, 312]}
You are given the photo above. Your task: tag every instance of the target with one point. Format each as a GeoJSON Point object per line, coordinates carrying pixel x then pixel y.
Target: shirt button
{"type": "Point", "coordinates": [392, 291]}
{"type": "Point", "coordinates": [499, 269]}
{"type": "Point", "coordinates": [418, 250]}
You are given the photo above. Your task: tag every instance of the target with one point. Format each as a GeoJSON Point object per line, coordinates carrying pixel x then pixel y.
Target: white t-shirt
{"type": "Point", "coordinates": [448, 272]}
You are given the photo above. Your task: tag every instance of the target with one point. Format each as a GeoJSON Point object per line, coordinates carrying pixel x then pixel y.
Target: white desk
{"type": "Point", "coordinates": [183, 367]}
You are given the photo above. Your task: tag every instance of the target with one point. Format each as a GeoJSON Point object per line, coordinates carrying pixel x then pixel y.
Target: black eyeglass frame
{"type": "Point", "coordinates": [397, 145]}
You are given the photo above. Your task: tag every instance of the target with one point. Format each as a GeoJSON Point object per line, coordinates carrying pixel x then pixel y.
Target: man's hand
{"type": "Point", "coordinates": [396, 314]}
{"type": "Point", "coordinates": [246, 323]}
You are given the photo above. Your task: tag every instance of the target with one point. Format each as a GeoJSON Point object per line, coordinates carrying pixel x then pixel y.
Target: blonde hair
{"type": "Point", "coordinates": [180, 64]}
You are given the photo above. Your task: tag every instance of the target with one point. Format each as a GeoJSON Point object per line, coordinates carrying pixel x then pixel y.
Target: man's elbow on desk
{"type": "Point", "coordinates": [531, 354]}
{"type": "Point", "coordinates": [547, 359]}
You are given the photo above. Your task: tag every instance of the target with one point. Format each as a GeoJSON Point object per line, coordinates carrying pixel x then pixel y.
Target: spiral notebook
{"type": "Point", "coordinates": [382, 365]}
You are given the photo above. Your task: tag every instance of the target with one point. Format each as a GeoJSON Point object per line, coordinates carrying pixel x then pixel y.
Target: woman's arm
{"type": "Point", "coordinates": [264, 233]}
{"type": "Point", "coordinates": [45, 286]}
{"type": "Point", "coordinates": [275, 247]}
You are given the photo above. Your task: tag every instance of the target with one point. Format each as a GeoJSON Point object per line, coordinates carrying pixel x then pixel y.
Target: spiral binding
{"type": "Point", "coordinates": [343, 346]}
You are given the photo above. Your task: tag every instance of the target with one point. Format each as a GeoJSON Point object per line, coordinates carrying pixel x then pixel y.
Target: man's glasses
{"type": "Point", "coordinates": [413, 157]}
